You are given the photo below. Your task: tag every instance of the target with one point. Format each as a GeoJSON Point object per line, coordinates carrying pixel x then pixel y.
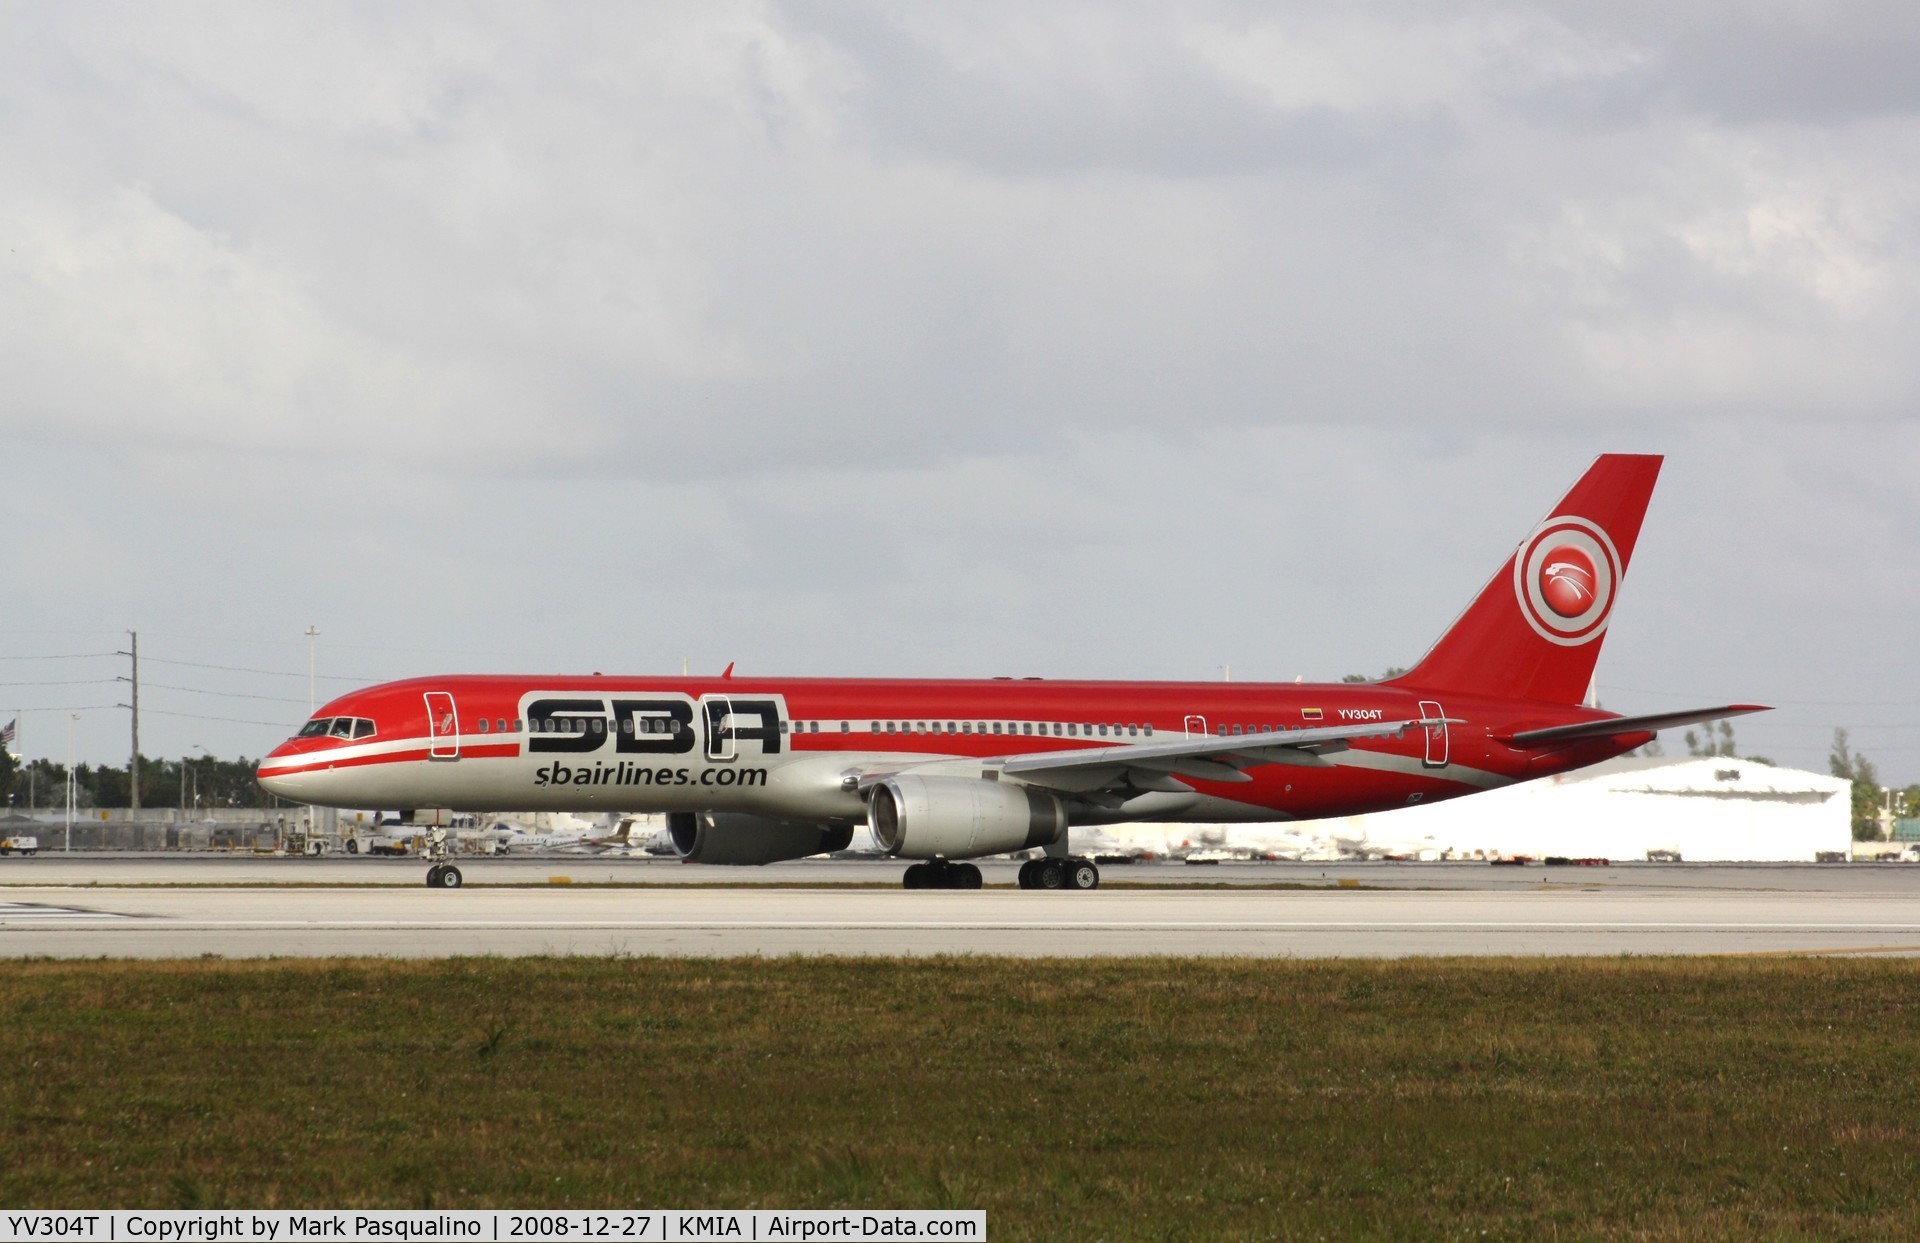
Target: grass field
{"type": "Point", "coordinates": [1124, 1099]}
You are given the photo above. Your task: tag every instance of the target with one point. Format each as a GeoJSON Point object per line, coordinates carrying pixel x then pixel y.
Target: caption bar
{"type": "Point", "coordinates": [488, 1226]}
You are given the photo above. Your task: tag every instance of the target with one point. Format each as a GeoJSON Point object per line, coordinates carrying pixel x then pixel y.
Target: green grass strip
{"type": "Point", "coordinates": [1110, 1098]}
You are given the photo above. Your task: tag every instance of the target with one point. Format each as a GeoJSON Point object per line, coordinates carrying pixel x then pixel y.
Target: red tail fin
{"type": "Point", "coordinates": [1534, 632]}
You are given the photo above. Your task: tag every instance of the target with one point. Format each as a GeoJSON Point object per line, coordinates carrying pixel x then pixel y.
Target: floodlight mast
{"type": "Point", "coordinates": [313, 632]}
{"type": "Point", "coordinates": [133, 762]}
{"type": "Point", "coordinates": [71, 718]}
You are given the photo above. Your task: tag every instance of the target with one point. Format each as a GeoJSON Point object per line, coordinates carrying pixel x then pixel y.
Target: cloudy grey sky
{"type": "Point", "coordinates": [1101, 340]}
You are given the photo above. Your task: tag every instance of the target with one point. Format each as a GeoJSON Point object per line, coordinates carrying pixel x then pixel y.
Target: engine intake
{"type": "Point", "coordinates": [743, 840]}
{"type": "Point", "coordinates": [961, 817]}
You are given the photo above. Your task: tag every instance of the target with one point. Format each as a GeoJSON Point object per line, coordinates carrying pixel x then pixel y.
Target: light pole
{"type": "Point", "coordinates": [313, 632]}
{"type": "Point", "coordinates": [72, 717]}
{"type": "Point", "coordinates": [196, 780]}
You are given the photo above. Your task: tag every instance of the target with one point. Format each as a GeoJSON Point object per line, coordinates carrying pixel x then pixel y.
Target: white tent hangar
{"type": "Point", "coordinates": [1700, 809]}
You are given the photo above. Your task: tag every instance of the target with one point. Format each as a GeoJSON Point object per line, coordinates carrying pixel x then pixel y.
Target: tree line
{"type": "Point", "coordinates": [204, 781]}
{"type": "Point", "coordinates": [1869, 803]}
{"type": "Point", "coordinates": [209, 781]}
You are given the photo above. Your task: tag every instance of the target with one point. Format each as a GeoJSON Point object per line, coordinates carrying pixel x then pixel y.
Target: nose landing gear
{"type": "Point", "coordinates": [442, 875]}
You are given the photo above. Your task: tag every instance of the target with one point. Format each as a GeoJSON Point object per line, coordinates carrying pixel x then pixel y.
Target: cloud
{"type": "Point", "coordinates": [1096, 339]}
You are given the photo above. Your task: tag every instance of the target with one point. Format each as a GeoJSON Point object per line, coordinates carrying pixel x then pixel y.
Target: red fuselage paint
{"type": "Point", "coordinates": [807, 736]}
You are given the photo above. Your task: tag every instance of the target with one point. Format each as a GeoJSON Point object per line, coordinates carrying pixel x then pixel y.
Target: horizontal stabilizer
{"type": "Point", "coordinates": [1613, 727]}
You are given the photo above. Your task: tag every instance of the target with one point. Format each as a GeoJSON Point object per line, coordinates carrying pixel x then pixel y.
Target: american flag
{"type": "Point", "coordinates": [6, 735]}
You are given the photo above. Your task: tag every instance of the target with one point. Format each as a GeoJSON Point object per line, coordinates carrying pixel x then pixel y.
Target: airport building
{"type": "Point", "coordinates": [1699, 809]}
{"type": "Point", "coordinates": [1689, 809]}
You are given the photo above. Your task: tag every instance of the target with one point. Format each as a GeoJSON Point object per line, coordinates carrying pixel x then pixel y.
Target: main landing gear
{"type": "Point", "coordinates": [442, 875]}
{"type": "Point", "coordinates": [1050, 873]}
{"type": "Point", "coordinates": [940, 874]}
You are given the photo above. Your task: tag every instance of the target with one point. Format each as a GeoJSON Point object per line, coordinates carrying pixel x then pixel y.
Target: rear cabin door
{"type": "Point", "coordinates": [1435, 721]}
{"type": "Point", "coordinates": [1196, 726]}
{"type": "Point", "coordinates": [443, 726]}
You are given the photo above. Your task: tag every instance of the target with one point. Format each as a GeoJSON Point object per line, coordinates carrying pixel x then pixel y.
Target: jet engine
{"type": "Point", "coordinates": [961, 817]}
{"type": "Point", "coordinates": [734, 838]}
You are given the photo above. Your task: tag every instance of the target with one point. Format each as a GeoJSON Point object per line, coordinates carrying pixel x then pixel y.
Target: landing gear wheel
{"type": "Point", "coordinates": [1027, 871]}
{"type": "Point", "coordinates": [443, 876]}
{"type": "Point", "coordinates": [1082, 875]}
{"type": "Point", "coordinates": [1050, 874]}
{"type": "Point", "coordinates": [966, 876]}
{"type": "Point", "coordinates": [433, 877]}
{"type": "Point", "coordinates": [916, 877]}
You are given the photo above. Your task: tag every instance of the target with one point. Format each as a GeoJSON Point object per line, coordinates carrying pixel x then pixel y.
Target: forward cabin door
{"type": "Point", "coordinates": [443, 727]}
{"type": "Point", "coordinates": [1436, 725]}
{"type": "Point", "coordinates": [721, 744]}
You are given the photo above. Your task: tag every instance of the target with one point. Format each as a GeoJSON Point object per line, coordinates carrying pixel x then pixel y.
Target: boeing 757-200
{"type": "Point", "coordinates": [752, 770]}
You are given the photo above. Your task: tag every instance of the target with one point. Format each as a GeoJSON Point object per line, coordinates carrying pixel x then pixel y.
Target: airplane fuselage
{"type": "Point", "coordinates": [798, 747]}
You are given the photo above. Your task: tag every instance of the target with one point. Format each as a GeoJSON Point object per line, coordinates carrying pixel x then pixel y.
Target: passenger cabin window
{"type": "Point", "coordinates": [483, 725]}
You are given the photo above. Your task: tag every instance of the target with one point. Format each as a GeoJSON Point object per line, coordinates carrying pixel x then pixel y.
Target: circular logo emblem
{"type": "Point", "coordinates": [1564, 576]}
{"type": "Point", "coordinates": [1566, 581]}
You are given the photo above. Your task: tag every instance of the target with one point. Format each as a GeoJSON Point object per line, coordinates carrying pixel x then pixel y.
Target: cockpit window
{"type": "Point", "coordinates": [337, 727]}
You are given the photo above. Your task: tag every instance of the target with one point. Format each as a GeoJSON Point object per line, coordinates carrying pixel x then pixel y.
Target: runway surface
{"type": "Point", "coordinates": [187, 906]}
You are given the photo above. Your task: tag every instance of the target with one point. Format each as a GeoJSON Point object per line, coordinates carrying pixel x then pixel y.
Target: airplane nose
{"type": "Point", "coordinates": [277, 778]}
{"type": "Point", "coordinates": [280, 785]}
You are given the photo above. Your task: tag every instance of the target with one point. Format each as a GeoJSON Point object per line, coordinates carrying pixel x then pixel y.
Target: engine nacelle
{"type": "Point", "coordinates": [734, 838]}
{"type": "Point", "coordinates": [961, 817]}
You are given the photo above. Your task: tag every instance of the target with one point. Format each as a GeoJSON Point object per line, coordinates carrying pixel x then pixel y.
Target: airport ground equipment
{"type": "Point", "coordinates": [19, 844]}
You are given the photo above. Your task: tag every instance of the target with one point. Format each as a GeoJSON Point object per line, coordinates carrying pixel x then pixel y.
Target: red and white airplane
{"type": "Point", "coordinates": [754, 770]}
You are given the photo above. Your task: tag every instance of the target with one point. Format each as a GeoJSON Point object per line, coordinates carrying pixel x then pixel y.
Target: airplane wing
{"type": "Point", "coordinates": [1137, 767]}
{"type": "Point", "coordinates": [1614, 726]}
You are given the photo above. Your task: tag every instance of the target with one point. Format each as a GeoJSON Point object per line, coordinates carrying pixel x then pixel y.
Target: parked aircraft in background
{"type": "Point", "coordinates": [753, 770]}
{"type": "Point", "coordinates": [617, 842]}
